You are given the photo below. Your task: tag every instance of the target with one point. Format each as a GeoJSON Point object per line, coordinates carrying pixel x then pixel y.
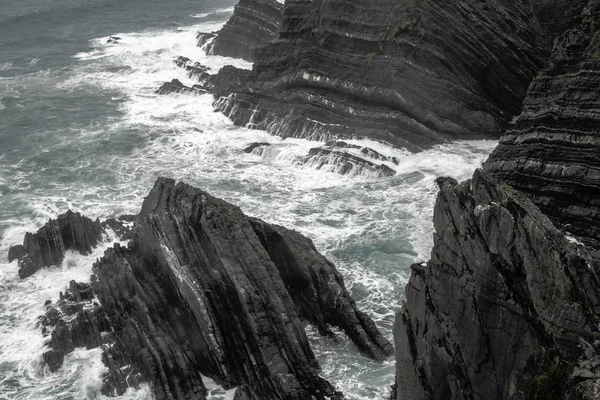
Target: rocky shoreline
{"type": "Point", "coordinates": [508, 306]}
{"type": "Point", "coordinates": [200, 289]}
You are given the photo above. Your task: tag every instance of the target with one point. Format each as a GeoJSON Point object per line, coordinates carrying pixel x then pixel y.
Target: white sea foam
{"type": "Point", "coordinates": [216, 391]}
{"type": "Point", "coordinates": [22, 373]}
{"type": "Point", "coordinates": [372, 228]}
{"type": "Point", "coordinates": [220, 11]}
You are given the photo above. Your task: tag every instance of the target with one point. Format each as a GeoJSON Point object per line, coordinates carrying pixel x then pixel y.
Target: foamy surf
{"type": "Point", "coordinates": [371, 228]}
{"type": "Point", "coordinates": [220, 11]}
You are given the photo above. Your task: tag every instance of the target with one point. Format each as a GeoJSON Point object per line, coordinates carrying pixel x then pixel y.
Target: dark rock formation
{"type": "Point", "coordinates": [256, 148]}
{"type": "Point", "coordinates": [195, 70]}
{"type": "Point", "coordinates": [409, 73]}
{"type": "Point", "coordinates": [344, 162]}
{"type": "Point", "coordinates": [175, 86]}
{"type": "Point", "coordinates": [253, 24]}
{"type": "Point", "coordinates": [551, 151]}
{"type": "Point", "coordinates": [113, 40]}
{"type": "Point", "coordinates": [507, 308]}
{"type": "Point", "coordinates": [47, 247]}
{"type": "Point", "coordinates": [202, 288]}
{"type": "Point", "coordinates": [205, 40]}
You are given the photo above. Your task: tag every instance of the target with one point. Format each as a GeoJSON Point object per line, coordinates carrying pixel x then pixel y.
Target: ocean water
{"type": "Point", "coordinates": [81, 128]}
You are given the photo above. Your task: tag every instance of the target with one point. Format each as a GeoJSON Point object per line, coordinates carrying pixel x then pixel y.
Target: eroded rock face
{"type": "Point", "coordinates": [177, 87]}
{"type": "Point", "coordinates": [551, 151]}
{"type": "Point", "coordinates": [349, 159]}
{"type": "Point", "coordinates": [507, 308]}
{"type": "Point", "coordinates": [409, 73]}
{"type": "Point", "coordinates": [201, 288]}
{"type": "Point", "coordinates": [254, 23]}
{"type": "Point", "coordinates": [47, 247]}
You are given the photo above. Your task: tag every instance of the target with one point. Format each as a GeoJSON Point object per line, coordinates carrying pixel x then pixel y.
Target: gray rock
{"type": "Point", "coordinates": [47, 247]}
{"type": "Point", "coordinates": [551, 151]}
{"type": "Point", "coordinates": [253, 24]}
{"type": "Point", "coordinates": [203, 289]}
{"type": "Point", "coordinates": [500, 310]}
{"type": "Point", "coordinates": [412, 74]}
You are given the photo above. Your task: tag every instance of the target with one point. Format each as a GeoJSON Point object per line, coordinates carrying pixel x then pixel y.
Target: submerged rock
{"type": "Point", "coordinates": [47, 247]}
{"type": "Point", "coordinates": [505, 309]}
{"type": "Point", "coordinates": [253, 24]}
{"type": "Point", "coordinates": [257, 148]}
{"type": "Point", "coordinates": [203, 289]}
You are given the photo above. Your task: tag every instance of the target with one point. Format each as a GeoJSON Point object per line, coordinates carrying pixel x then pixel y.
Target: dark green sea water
{"type": "Point", "coordinates": [81, 128]}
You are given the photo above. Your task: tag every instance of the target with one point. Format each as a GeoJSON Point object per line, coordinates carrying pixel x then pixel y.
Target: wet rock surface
{"type": "Point", "coordinates": [176, 87]}
{"type": "Point", "coordinates": [507, 307]}
{"type": "Point", "coordinates": [409, 73]}
{"type": "Point", "coordinates": [254, 23]}
{"type": "Point", "coordinates": [195, 70]}
{"type": "Point", "coordinates": [551, 151]}
{"type": "Point", "coordinates": [47, 247]}
{"type": "Point", "coordinates": [341, 160]}
{"type": "Point", "coordinates": [203, 289]}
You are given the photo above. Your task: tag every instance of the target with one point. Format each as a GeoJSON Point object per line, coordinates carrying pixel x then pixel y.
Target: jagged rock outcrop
{"type": "Point", "coordinates": [253, 24]}
{"type": "Point", "coordinates": [195, 70]}
{"type": "Point", "coordinates": [507, 308]}
{"type": "Point", "coordinates": [203, 289]}
{"type": "Point", "coordinates": [349, 159]}
{"type": "Point", "coordinates": [410, 73]}
{"type": "Point", "coordinates": [551, 151]}
{"type": "Point", "coordinates": [47, 247]}
{"type": "Point", "coordinates": [176, 87]}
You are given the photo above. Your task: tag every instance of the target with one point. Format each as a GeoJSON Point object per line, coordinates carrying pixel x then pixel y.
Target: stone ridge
{"type": "Point", "coordinates": [47, 247]}
{"type": "Point", "coordinates": [551, 151]}
{"type": "Point", "coordinates": [203, 289]}
{"type": "Point", "coordinates": [507, 308]}
{"type": "Point", "coordinates": [409, 73]}
{"type": "Point", "coordinates": [254, 23]}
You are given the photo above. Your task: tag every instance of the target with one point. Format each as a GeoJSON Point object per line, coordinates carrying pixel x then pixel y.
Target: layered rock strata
{"type": "Point", "coordinates": [253, 24]}
{"type": "Point", "coordinates": [47, 247]}
{"type": "Point", "coordinates": [349, 159]}
{"type": "Point", "coordinates": [203, 289]}
{"type": "Point", "coordinates": [410, 73]}
{"type": "Point", "coordinates": [507, 308]}
{"type": "Point", "coordinates": [551, 151]}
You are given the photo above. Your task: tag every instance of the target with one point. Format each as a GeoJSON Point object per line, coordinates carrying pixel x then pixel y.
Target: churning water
{"type": "Point", "coordinates": [81, 128]}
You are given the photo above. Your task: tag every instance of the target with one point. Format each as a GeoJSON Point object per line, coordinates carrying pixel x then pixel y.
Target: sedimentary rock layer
{"type": "Point", "coordinates": [507, 308]}
{"type": "Point", "coordinates": [409, 73]}
{"type": "Point", "coordinates": [203, 289]}
{"type": "Point", "coordinates": [253, 24]}
{"type": "Point", "coordinates": [551, 151]}
{"type": "Point", "coordinates": [47, 247]}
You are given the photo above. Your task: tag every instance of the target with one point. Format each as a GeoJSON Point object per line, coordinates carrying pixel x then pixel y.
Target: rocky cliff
{"type": "Point", "coordinates": [551, 151]}
{"type": "Point", "coordinates": [254, 23]}
{"type": "Point", "coordinates": [409, 73]}
{"type": "Point", "coordinates": [203, 289]}
{"type": "Point", "coordinates": [507, 308]}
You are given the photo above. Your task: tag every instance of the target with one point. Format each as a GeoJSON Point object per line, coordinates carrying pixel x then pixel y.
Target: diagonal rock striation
{"type": "Point", "coordinates": [507, 308]}
{"type": "Point", "coordinates": [551, 151]}
{"type": "Point", "coordinates": [409, 73]}
{"type": "Point", "coordinates": [253, 24]}
{"type": "Point", "coordinates": [203, 289]}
